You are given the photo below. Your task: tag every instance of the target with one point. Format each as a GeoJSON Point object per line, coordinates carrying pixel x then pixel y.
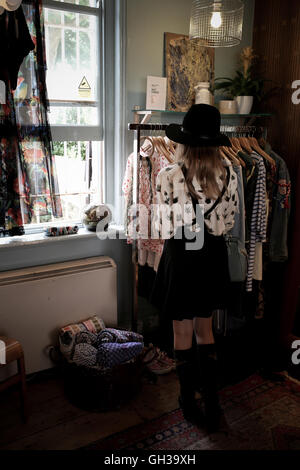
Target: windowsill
{"type": "Point", "coordinates": [41, 238]}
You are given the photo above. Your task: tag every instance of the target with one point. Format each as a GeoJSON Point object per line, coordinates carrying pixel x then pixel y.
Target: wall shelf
{"type": "Point", "coordinates": [143, 116]}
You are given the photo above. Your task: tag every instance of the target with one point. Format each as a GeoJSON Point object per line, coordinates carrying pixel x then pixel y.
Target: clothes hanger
{"type": "Point", "coordinates": [260, 151]}
{"type": "Point", "coordinates": [170, 144]}
{"type": "Point", "coordinates": [170, 147]}
{"type": "Point", "coordinates": [237, 148]}
{"type": "Point", "coordinates": [162, 149]}
{"type": "Point", "coordinates": [230, 155]}
{"type": "Point", "coordinates": [245, 144]}
{"type": "Point", "coordinates": [236, 143]}
{"type": "Point", "coordinates": [170, 150]}
{"type": "Point", "coordinates": [164, 146]}
{"type": "Point", "coordinates": [222, 153]}
{"type": "Point", "coordinates": [148, 147]}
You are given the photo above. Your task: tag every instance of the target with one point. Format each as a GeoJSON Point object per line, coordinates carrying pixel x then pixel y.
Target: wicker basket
{"type": "Point", "coordinates": [93, 389]}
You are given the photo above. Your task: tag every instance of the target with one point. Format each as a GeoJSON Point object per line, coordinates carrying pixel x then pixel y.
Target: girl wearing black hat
{"type": "Point", "coordinates": [192, 281]}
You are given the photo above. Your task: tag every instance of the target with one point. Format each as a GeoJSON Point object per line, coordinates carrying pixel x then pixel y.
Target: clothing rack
{"type": "Point", "coordinates": [243, 131]}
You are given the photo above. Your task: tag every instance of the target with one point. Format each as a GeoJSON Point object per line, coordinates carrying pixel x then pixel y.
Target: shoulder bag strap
{"type": "Point", "coordinates": [217, 202]}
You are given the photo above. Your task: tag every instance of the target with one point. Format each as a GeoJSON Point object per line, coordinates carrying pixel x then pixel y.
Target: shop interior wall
{"type": "Point", "coordinates": [276, 39]}
{"type": "Point", "coordinates": [146, 24]}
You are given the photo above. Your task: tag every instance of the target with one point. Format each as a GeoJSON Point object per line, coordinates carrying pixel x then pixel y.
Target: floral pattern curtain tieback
{"type": "Point", "coordinates": [29, 190]}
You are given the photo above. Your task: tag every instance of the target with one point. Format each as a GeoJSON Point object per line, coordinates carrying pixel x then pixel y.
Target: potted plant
{"type": "Point", "coordinates": [243, 87]}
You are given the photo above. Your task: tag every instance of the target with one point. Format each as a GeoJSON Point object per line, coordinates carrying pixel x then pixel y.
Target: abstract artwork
{"type": "Point", "coordinates": [187, 62]}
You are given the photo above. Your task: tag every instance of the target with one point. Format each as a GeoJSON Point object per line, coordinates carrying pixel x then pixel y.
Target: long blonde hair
{"type": "Point", "coordinates": [204, 163]}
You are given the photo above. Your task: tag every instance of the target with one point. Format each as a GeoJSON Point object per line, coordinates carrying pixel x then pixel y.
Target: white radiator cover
{"type": "Point", "coordinates": [36, 301]}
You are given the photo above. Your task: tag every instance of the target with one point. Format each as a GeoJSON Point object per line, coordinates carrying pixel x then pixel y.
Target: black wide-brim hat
{"type": "Point", "coordinates": [200, 128]}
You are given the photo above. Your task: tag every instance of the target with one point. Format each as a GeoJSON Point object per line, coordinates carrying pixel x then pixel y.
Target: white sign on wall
{"type": "Point", "coordinates": [156, 93]}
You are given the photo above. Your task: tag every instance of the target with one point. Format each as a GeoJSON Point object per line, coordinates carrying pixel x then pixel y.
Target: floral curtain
{"type": "Point", "coordinates": [29, 190]}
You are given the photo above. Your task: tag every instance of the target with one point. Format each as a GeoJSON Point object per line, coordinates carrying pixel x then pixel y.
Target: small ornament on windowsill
{"type": "Point", "coordinates": [96, 214]}
{"type": "Point", "coordinates": [59, 231]}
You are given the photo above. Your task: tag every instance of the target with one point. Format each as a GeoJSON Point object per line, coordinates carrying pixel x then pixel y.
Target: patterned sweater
{"type": "Point", "coordinates": [175, 208]}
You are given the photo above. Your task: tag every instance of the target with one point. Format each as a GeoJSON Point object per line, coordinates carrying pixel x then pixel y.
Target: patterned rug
{"type": "Point", "coordinates": [259, 414]}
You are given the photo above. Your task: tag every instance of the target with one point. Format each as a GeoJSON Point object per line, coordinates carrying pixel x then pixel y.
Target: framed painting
{"type": "Point", "coordinates": [187, 62]}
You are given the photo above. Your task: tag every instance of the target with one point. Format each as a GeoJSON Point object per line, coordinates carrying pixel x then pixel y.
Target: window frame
{"type": "Point", "coordinates": [112, 99]}
{"type": "Point", "coordinates": [62, 133]}
{"type": "Point", "coordinates": [81, 133]}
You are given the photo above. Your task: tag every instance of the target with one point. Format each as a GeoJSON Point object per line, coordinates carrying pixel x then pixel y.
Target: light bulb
{"type": "Point", "coordinates": [216, 19]}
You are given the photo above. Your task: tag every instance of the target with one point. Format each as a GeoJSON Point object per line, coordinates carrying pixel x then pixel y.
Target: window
{"type": "Point", "coordinates": [73, 52]}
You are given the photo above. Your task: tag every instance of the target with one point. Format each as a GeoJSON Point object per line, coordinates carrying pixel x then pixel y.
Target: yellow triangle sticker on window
{"type": "Point", "coordinates": [84, 88]}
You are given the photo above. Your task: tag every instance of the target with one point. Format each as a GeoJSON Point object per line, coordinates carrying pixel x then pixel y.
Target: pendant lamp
{"type": "Point", "coordinates": [217, 23]}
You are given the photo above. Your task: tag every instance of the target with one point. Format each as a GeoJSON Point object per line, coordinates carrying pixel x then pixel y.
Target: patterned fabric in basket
{"type": "Point", "coordinates": [86, 337]}
{"type": "Point", "coordinates": [67, 334]}
{"type": "Point", "coordinates": [93, 324]}
{"type": "Point", "coordinates": [85, 355]}
{"type": "Point", "coordinates": [112, 354]}
{"type": "Point", "coordinates": [111, 335]}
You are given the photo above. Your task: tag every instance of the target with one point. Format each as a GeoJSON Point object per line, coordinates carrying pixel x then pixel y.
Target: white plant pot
{"type": "Point", "coordinates": [244, 104]}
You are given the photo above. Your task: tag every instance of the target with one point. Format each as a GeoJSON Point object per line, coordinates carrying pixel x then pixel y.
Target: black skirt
{"type": "Point", "coordinates": [192, 283]}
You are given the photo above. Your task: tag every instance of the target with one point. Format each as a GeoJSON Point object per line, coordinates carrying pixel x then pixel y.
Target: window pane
{"type": "Point", "coordinates": [73, 60]}
{"type": "Point", "coordinates": [54, 53]}
{"type": "Point", "coordinates": [84, 21]}
{"type": "Point", "coordinates": [70, 48]}
{"type": "Point", "coordinates": [54, 17]}
{"type": "Point", "coordinates": [82, 160]}
{"type": "Point", "coordinates": [74, 116]}
{"type": "Point", "coordinates": [85, 49]}
{"type": "Point", "coordinates": [87, 3]}
{"type": "Point", "coordinates": [70, 18]}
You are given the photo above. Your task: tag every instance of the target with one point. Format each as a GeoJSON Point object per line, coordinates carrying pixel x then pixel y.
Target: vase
{"type": "Point", "coordinates": [228, 107]}
{"type": "Point", "coordinates": [244, 104]}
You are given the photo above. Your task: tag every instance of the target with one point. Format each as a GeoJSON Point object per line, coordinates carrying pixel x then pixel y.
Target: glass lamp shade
{"type": "Point", "coordinates": [217, 23]}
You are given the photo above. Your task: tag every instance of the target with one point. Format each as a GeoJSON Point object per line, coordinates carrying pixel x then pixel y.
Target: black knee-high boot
{"type": "Point", "coordinates": [208, 367]}
{"type": "Point", "coordinates": [185, 369]}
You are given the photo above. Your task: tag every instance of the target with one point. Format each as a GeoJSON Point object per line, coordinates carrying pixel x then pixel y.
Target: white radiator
{"type": "Point", "coordinates": [36, 301]}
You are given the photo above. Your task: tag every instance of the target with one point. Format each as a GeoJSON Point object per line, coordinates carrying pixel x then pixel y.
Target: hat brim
{"type": "Point", "coordinates": [174, 132]}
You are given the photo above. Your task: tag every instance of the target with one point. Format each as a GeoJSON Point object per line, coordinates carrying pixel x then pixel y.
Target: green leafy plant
{"type": "Point", "coordinates": [241, 85]}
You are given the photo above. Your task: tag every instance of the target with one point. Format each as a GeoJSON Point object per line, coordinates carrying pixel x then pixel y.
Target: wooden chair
{"type": "Point", "coordinates": [14, 352]}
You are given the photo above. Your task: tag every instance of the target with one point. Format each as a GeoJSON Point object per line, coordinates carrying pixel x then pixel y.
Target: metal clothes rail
{"type": "Point", "coordinates": [137, 128]}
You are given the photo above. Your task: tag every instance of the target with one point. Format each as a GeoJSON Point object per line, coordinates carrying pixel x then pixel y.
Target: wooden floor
{"type": "Point", "coordinates": [55, 424]}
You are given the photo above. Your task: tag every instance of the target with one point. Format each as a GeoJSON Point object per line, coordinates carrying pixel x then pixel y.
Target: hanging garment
{"type": "Point", "coordinates": [16, 43]}
{"type": "Point", "coordinates": [238, 230]}
{"type": "Point", "coordinates": [250, 174]}
{"type": "Point", "coordinates": [29, 185]}
{"type": "Point", "coordinates": [258, 219]}
{"type": "Point", "coordinates": [149, 250]}
{"type": "Point", "coordinates": [258, 261]}
{"type": "Point", "coordinates": [281, 203]}
{"type": "Point", "coordinates": [175, 207]}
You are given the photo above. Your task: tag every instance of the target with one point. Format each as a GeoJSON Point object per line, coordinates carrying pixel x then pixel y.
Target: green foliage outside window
{"type": "Point", "coordinates": [71, 151]}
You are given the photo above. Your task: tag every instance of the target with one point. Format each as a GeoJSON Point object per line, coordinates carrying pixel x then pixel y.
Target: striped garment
{"type": "Point", "coordinates": [258, 229]}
